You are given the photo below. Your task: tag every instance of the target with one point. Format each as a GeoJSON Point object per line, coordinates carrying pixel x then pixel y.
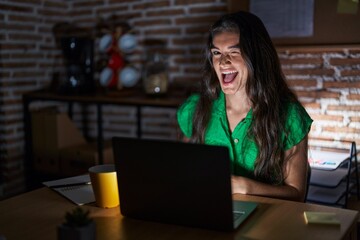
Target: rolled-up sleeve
{"type": "Point", "coordinates": [297, 126]}
{"type": "Point", "coordinates": [185, 115]}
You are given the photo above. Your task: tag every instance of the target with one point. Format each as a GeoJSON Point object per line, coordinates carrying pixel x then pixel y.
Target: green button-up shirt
{"type": "Point", "coordinates": [242, 148]}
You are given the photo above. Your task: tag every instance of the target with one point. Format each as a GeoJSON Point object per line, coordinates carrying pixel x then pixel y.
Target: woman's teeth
{"type": "Point", "coordinates": [229, 76]}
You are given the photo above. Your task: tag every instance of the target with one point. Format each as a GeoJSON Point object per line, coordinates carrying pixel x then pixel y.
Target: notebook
{"type": "Point", "coordinates": [177, 183]}
{"type": "Point", "coordinates": [77, 189]}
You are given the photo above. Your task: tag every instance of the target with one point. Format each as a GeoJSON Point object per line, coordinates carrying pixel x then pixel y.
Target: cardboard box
{"type": "Point", "coordinates": [46, 163]}
{"type": "Point", "coordinates": [75, 160]}
{"type": "Point", "coordinates": [52, 131]}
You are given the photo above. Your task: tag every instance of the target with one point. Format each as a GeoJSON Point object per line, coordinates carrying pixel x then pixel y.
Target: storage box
{"type": "Point", "coordinates": [47, 163]}
{"type": "Point", "coordinates": [52, 131]}
{"type": "Point", "coordinates": [75, 160]}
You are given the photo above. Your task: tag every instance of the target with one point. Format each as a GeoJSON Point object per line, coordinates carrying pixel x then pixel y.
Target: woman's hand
{"type": "Point", "coordinates": [238, 184]}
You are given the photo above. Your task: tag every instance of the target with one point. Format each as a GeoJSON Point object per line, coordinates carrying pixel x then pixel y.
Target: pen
{"type": "Point", "coordinates": [70, 185]}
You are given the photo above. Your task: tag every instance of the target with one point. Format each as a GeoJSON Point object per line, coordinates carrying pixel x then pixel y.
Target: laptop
{"type": "Point", "coordinates": [178, 183]}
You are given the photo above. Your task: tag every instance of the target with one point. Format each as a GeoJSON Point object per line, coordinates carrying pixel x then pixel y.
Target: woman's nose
{"type": "Point", "coordinates": [224, 59]}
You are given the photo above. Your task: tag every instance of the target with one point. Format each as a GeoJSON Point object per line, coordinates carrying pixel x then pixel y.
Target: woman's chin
{"type": "Point", "coordinates": [228, 91]}
{"type": "Point", "coordinates": [228, 88]}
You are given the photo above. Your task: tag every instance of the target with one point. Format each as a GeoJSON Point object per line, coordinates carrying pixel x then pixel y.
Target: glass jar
{"type": "Point", "coordinates": [155, 75]}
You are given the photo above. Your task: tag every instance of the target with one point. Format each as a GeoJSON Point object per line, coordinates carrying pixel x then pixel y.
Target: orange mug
{"type": "Point", "coordinates": [104, 183]}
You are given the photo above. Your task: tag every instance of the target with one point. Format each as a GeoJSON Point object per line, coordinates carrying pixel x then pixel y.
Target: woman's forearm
{"type": "Point", "coordinates": [248, 186]}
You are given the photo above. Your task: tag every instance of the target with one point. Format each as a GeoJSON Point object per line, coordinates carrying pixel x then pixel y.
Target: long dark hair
{"type": "Point", "coordinates": [266, 88]}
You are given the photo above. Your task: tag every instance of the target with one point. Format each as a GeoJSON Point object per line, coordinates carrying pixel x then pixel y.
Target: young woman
{"type": "Point", "coordinates": [246, 105]}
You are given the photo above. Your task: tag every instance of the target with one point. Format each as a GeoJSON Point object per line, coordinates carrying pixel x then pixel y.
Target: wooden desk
{"type": "Point", "coordinates": [36, 214]}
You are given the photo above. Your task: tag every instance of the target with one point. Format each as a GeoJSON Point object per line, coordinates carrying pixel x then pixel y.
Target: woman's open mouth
{"type": "Point", "coordinates": [229, 76]}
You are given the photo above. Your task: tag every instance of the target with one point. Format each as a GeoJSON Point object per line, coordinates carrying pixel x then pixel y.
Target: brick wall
{"type": "Point", "coordinates": [327, 81]}
{"type": "Point", "coordinates": [28, 58]}
{"type": "Point", "coordinates": [325, 78]}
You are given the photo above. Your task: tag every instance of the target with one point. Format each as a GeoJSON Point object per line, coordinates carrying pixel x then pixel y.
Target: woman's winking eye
{"type": "Point", "coordinates": [233, 52]}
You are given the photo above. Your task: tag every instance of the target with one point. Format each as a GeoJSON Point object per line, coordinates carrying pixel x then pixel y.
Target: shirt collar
{"type": "Point", "coordinates": [219, 106]}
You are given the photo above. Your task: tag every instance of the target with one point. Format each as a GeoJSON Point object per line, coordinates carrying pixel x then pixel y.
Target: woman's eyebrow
{"type": "Point", "coordinates": [234, 46]}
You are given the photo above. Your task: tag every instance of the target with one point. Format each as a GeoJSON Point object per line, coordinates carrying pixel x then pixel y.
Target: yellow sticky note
{"type": "Point", "coordinates": [321, 218]}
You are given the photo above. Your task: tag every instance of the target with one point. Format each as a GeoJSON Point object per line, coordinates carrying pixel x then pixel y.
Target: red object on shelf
{"type": "Point", "coordinates": [116, 61]}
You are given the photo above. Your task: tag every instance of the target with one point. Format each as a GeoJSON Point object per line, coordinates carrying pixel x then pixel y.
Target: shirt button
{"type": "Point", "coordinates": [236, 140]}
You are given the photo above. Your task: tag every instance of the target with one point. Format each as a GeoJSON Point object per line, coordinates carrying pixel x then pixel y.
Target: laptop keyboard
{"type": "Point", "coordinates": [237, 214]}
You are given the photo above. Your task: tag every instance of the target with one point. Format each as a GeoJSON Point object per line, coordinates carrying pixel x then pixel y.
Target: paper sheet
{"type": "Point", "coordinates": [285, 18]}
{"type": "Point", "coordinates": [79, 195]}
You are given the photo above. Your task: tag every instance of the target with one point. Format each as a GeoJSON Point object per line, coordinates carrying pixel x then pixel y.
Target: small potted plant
{"type": "Point", "coordinates": [77, 226]}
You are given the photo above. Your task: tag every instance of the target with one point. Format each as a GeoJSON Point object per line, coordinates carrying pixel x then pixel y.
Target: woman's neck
{"type": "Point", "coordinates": [237, 107]}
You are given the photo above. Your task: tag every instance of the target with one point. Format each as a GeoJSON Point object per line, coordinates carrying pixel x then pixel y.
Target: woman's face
{"type": "Point", "coordinates": [228, 63]}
